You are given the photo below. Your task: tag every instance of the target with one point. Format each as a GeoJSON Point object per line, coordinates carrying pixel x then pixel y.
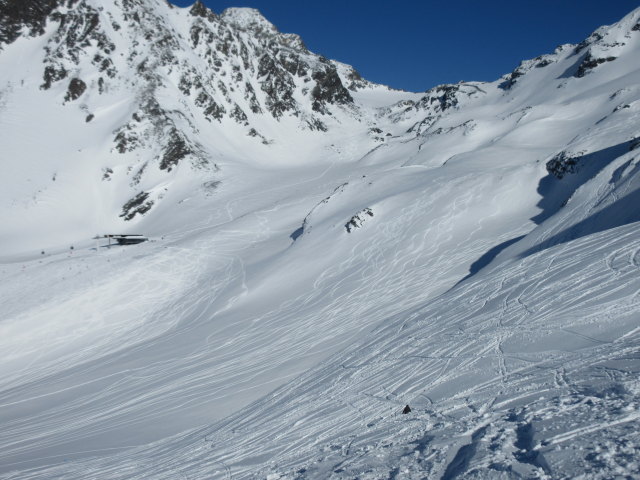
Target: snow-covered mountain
{"type": "Point", "coordinates": [324, 251]}
{"type": "Point", "coordinates": [149, 100]}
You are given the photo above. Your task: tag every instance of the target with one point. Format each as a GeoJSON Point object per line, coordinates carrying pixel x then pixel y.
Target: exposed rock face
{"type": "Point", "coordinates": [525, 66]}
{"type": "Point", "coordinates": [435, 103]}
{"type": "Point", "coordinates": [51, 75]}
{"type": "Point", "coordinates": [199, 10]}
{"type": "Point", "coordinates": [358, 219]}
{"type": "Point", "coordinates": [278, 85]}
{"type": "Point", "coordinates": [76, 88]}
{"type": "Point", "coordinates": [245, 68]}
{"type": "Point", "coordinates": [589, 63]}
{"type": "Point", "coordinates": [140, 204]}
{"type": "Point", "coordinates": [441, 98]}
{"type": "Point", "coordinates": [563, 163]}
{"type": "Point", "coordinates": [187, 74]}
{"type": "Point", "coordinates": [19, 16]}
{"type": "Point", "coordinates": [176, 150]}
{"type": "Point", "coordinates": [328, 90]}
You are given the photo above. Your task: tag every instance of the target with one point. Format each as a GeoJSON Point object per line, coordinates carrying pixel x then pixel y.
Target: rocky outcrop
{"type": "Point", "coordinates": [75, 90]}
{"type": "Point", "coordinates": [138, 205]}
{"type": "Point", "coordinates": [564, 163]}
{"type": "Point", "coordinates": [176, 149]}
{"type": "Point", "coordinates": [278, 85]}
{"type": "Point", "coordinates": [358, 219]}
{"type": "Point", "coordinates": [589, 63]}
{"type": "Point", "coordinates": [53, 74]}
{"type": "Point", "coordinates": [247, 68]}
{"type": "Point", "coordinates": [198, 9]}
{"type": "Point", "coordinates": [19, 16]}
{"type": "Point", "coordinates": [328, 90]}
{"type": "Point", "coordinates": [526, 66]}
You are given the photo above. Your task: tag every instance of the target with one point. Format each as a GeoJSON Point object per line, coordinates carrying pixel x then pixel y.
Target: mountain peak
{"type": "Point", "coordinates": [247, 18]}
{"type": "Point", "coordinates": [198, 9]}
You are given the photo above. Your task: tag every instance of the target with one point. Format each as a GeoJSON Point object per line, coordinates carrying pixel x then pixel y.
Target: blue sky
{"type": "Point", "coordinates": [415, 45]}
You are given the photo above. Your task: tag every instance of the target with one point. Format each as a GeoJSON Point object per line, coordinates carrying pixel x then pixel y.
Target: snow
{"type": "Point", "coordinates": [253, 336]}
{"type": "Point", "coordinates": [246, 18]}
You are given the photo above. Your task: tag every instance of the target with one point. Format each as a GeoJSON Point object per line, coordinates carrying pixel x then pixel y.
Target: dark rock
{"type": "Point", "coordinates": [185, 84]}
{"type": "Point", "coordinates": [589, 63]}
{"type": "Point", "coordinates": [278, 85]}
{"type": "Point", "coordinates": [524, 67]}
{"type": "Point", "coordinates": [152, 109]}
{"type": "Point", "coordinates": [544, 63]}
{"type": "Point", "coordinates": [254, 133]}
{"type": "Point", "coordinates": [78, 30]}
{"type": "Point", "coordinates": [76, 88]}
{"type": "Point", "coordinates": [137, 177]}
{"type": "Point", "coordinates": [328, 90]}
{"type": "Point", "coordinates": [239, 116]}
{"type": "Point", "coordinates": [250, 95]}
{"type": "Point", "coordinates": [512, 78]}
{"type": "Point", "coordinates": [126, 140]}
{"type": "Point", "coordinates": [105, 64]}
{"type": "Point", "coordinates": [17, 16]}
{"type": "Point", "coordinates": [358, 219]}
{"type": "Point", "coordinates": [90, 117]}
{"type": "Point", "coordinates": [198, 9]}
{"type": "Point", "coordinates": [636, 27]}
{"type": "Point", "coordinates": [279, 92]}
{"type": "Point", "coordinates": [357, 82]}
{"type": "Point", "coordinates": [294, 64]}
{"type": "Point", "coordinates": [440, 98]}
{"type": "Point", "coordinates": [593, 38]}
{"type": "Point", "coordinates": [138, 205]}
{"type": "Point", "coordinates": [212, 110]}
{"type": "Point", "coordinates": [562, 164]}
{"type": "Point", "coordinates": [317, 125]}
{"type": "Point", "coordinates": [51, 75]}
{"type": "Point", "coordinates": [196, 31]}
{"type": "Point", "coordinates": [406, 409]}
{"type": "Point", "coordinates": [176, 150]}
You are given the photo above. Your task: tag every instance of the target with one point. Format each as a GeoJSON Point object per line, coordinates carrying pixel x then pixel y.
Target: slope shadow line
{"type": "Point", "coordinates": [556, 189]}
{"type": "Point", "coordinates": [564, 178]}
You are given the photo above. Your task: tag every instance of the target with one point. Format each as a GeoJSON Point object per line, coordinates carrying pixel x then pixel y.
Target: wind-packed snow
{"type": "Point", "coordinates": [315, 263]}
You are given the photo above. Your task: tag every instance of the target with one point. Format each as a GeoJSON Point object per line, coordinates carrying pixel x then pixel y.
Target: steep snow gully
{"type": "Point", "coordinates": [323, 251]}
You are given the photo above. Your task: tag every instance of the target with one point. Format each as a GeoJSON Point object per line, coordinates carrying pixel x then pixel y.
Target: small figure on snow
{"type": "Point", "coordinates": [407, 409]}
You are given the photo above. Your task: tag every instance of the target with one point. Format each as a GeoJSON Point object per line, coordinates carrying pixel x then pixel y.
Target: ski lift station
{"type": "Point", "coordinates": [121, 239]}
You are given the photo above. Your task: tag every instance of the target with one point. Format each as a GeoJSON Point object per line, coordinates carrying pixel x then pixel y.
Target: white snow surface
{"type": "Point", "coordinates": [256, 336]}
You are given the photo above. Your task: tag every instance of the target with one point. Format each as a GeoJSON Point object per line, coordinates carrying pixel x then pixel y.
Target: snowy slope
{"type": "Point", "coordinates": [530, 370]}
{"type": "Point", "coordinates": [471, 251]}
